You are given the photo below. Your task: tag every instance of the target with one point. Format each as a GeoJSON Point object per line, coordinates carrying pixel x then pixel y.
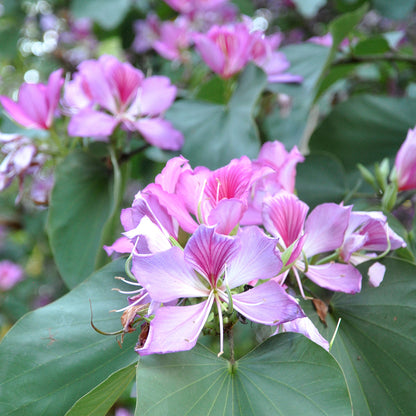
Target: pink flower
{"type": "Point", "coordinates": [10, 274]}
{"type": "Point", "coordinates": [273, 63]}
{"type": "Point", "coordinates": [174, 40]}
{"type": "Point", "coordinates": [273, 171]}
{"type": "Point", "coordinates": [106, 92]}
{"type": "Point", "coordinates": [147, 32]}
{"type": "Point", "coordinates": [405, 162]}
{"type": "Point", "coordinates": [225, 49]}
{"type": "Point", "coordinates": [36, 104]}
{"type": "Point", "coordinates": [323, 231]}
{"type": "Point", "coordinates": [209, 267]}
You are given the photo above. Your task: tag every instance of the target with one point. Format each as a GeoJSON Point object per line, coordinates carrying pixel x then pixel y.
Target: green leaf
{"type": "Point", "coordinates": [340, 28]}
{"type": "Point", "coordinates": [307, 60]}
{"type": "Point", "coordinates": [320, 178]}
{"type": "Point", "coordinates": [52, 356]}
{"type": "Point", "coordinates": [399, 9]}
{"type": "Point", "coordinates": [376, 342]}
{"type": "Point", "coordinates": [81, 203]}
{"type": "Point", "coordinates": [107, 13]}
{"type": "Point", "coordinates": [99, 400]}
{"type": "Point", "coordinates": [214, 133]}
{"type": "Point", "coordinates": [365, 129]}
{"type": "Point", "coordinates": [372, 46]}
{"type": "Point", "coordinates": [286, 375]}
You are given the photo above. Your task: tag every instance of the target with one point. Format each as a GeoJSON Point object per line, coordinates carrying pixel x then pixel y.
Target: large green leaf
{"type": "Point", "coordinates": [365, 129]}
{"type": "Point", "coordinates": [81, 203]}
{"type": "Point", "coordinates": [52, 356]}
{"type": "Point", "coordinates": [215, 133]}
{"type": "Point", "coordinates": [320, 178]}
{"type": "Point", "coordinates": [99, 400]}
{"type": "Point", "coordinates": [107, 13]}
{"type": "Point", "coordinates": [286, 375]}
{"type": "Point", "coordinates": [376, 342]}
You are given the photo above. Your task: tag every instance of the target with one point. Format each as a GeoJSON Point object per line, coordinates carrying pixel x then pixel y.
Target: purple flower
{"type": "Point", "coordinates": [192, 6]}
{"type": "Point", "coordinates": [322, 232]}
{"type": "Point", "coordinates": [209, 268]}
{"type": "Point", "coordinates": [10, 274]}
{"type": "Point", "coordinates": [36, 104]}
{"type": "Point", "coordinates": [106, 92]}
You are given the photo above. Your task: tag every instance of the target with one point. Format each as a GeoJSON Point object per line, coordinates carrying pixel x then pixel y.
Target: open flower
{"type": "Point", "coordinates": [106, 92]}
{"type": "Point", "coordinates": [36, 104]}
{"type": "Point", "coordinates": [209, 268]}
{"type": "Point", "coordinates": [322, 232]}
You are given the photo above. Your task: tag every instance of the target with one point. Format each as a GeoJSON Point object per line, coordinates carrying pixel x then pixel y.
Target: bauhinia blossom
{"type": "Point", "coordinates": [323, 231]}
{"type": "Point", "coordinates": [106, 93]}
{"type": "Point", "coordinates": [405, 163]}
{"type": "Point", "coordinates": [209, 269]}
{"type": "Point", "coordinates": [36, 104]}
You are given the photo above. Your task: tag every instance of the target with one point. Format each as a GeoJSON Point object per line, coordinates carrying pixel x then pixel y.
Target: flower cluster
{"type": "Point", "coordinates": [207, 247]}
{"type": "Point", "coordinates": [102, 95]}
{"type": "Point", "coordinates": [225, 44]}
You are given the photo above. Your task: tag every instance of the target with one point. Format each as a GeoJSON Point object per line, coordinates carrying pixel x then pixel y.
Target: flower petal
{"type": "Point", "coordinates": [335, 276]}
{"type": "Point", "coordinates": [176, 328]}
{"type": "Point", "coordinates": [267, 304]}
{"type": "Point", "coordinates": [257, 258]}
{"type": "Point", "coordinates": [376, 274]}
{"type": "Point", "coordinates": [209, 252]}
{"type": "Point", "coordinates": [226, 215]}
{"type": "Point", "coordinates": [157, 95]}
{"type": "Point", "coordinates": [306, 327]}
{"type": "Point", "coordinates": [160, 133]}
{"type": "Point", "coordinates": [284, 216]}
{"type": "Point", "coordinates": [91, 123]}
{"type": "Point", "coordinates": [167, 276]}
{"type": "Point", "coordinates": [325, 227]}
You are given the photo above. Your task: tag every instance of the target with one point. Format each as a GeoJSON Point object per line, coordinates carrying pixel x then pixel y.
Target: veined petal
{"type": "Point", "coordinates": [209, 252]}
{"type": "Point", "coordinates": [325, 227]}
{"type": "Point", "coordinates": [257, 258]}
{"type": "Point", "coordinates": [167, 276]}
{"type": "Point", "coordinates": [267, 304]}
{"type": "Point", "coordinates": [176, 328]}
{"type": "Point", "coordinates": [284, 216]}
{"type": "Point", "coordinates": [336, 276]}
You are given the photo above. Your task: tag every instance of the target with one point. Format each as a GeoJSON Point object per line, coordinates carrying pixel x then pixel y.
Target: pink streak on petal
{"type": "Point", "coordinates": [326, 227]}
{"type": "Point", "coordinates": [160, 133]}
{"type": "Point", "coordinates": [335, 276]}
{"type": "Point", "coordinates": [284, 216]}
{"type": "Point", "coordinates": [176, 328]}
{"type": "Point", "coordinates": [91, 123]}
{"type": "Point", "coordinates": [267, 304]}
{"type": "Point", "coordinates": [257, 259]}
{"type": "Point", "coordinates": [376, 274]}
{"type": "Point", "coordinates": [209, 252]}
{"type": "Point", "coordinates": [167, 276]}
